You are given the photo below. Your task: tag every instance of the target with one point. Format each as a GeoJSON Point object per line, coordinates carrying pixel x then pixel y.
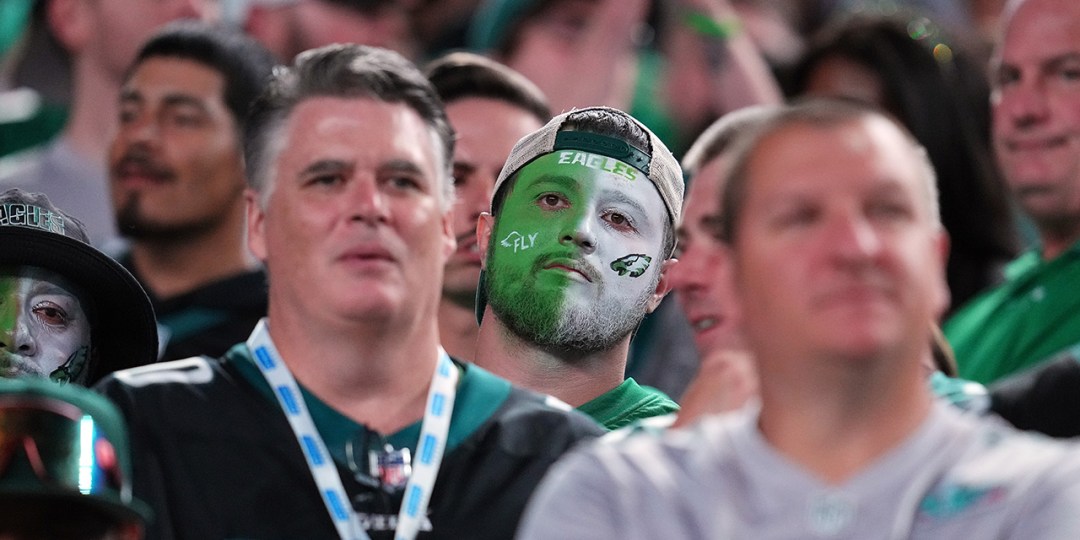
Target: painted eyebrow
{"type": "Point", "coordinates": [46, 287]}
{"type": "Point", "coordinates": [625, 200]}
{"type": "Point", "coordinates": [563, 181]}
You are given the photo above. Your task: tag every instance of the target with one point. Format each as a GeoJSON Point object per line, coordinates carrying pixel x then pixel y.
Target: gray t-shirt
{"type": "Point", "coordinates": [956, 476]}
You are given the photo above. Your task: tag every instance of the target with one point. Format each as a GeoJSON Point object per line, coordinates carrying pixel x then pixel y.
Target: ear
{"type": "Point", "coordinates": [256, 224]}
{"type": "Point", "coordinates": [72, 22]}
{"type": "Point", "coordinates": [485, 224]}
{"type": "Point", "coordinates": [663, 286]}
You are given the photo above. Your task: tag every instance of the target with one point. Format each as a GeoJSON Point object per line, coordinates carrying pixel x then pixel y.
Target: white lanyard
{"type": "Point", "coordinates": [429, 449]}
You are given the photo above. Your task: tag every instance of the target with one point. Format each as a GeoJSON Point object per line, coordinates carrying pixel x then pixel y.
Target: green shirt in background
{"type": "Point", "coordinates": [1031, 317]}
{"type": "Point", "coordinates": [628, 403]}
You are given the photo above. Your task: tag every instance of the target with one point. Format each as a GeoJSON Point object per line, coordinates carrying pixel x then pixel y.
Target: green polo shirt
{"type": "Point", "coordinates": [628, 403]}
{"type": "Point", "coordinates": [1031, 317]}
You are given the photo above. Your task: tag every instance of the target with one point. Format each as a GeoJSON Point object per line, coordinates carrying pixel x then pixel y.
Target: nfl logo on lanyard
{"type": "Point", "coordinates": [394, 467]}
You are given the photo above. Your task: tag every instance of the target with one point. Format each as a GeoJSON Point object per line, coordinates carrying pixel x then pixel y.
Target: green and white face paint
{"type": "Point", "coordinates": [44, 329]}
{"type": "Point", "coordinates": [575, 252]}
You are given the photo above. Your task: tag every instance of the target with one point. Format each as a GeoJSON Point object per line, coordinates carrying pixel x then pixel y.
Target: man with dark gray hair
{"type": "Point", "coordinates": [838, 258]}
{"type": "Point", "coordinates": [341, 416]}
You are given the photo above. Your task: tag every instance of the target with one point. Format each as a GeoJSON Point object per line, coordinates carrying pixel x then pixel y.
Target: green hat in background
{"type": "Point", "coordinates": [14, 15]}
{"type": "Point", "coordinates": [67, 447]}
{"type": "Point", "coordinates": [494, 19]}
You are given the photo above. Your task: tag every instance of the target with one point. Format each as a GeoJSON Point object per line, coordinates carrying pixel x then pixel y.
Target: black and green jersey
{"type": "Point", "coordinates": [215, 458]}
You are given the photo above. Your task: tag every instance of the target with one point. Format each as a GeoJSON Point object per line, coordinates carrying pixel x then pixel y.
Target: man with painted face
{"type": "Point", "coordinates": [341, 416]}
{"type": "Point", "coordinates": [68, 312]}
{"type": "Point", "coordinates": [578, 243]}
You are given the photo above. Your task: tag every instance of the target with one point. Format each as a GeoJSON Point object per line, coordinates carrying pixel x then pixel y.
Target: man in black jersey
{"type": "Point", "coordinates": [341, 417]}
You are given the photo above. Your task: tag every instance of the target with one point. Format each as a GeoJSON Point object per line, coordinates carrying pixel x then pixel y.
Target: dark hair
{"type": "Point", "coordinates": [242, 62]}
{"type": "Point", "coordinates": [462, 75]}
{"type": "Point", "coordinates": [824, 113]}
{"type": "Point", "coordinates": [347, 71]}
{"type": "Point", "coordinates": [933, 87]}
{"type": "Point", "coordinates": [601, 122]}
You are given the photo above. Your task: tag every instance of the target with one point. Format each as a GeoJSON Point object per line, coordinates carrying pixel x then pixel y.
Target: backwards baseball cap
{"type": "Point", "coordinates": [65, 446]}
{"type": "Point", "coordinates": [656, 162]}
{"type": "Point", "coordinates": [123, 329]}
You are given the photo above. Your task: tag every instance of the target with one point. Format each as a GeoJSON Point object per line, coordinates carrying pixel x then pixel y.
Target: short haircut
{"type": "Point", "coordinates": [602, 122]}
{"type": "Point", "coordinates": [463, 75]}
{"type": "Point", "coordinates": [822, 113]}
{"type": "Point", "coordinates": [242, 62]}
{"type": "Point", "coordinates": [719, 136]}
{"type": "Point", "coordinates": [342, 71]}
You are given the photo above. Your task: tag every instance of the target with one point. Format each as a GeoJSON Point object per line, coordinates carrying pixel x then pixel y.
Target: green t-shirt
{"type": "Point", "coordinates": [1031, 317]}
{"type": "Point", "coordinates": [628, 403]}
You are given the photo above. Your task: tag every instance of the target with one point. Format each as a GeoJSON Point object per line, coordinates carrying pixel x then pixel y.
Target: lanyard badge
{"type": "Point", "coordinates": [418, 476]}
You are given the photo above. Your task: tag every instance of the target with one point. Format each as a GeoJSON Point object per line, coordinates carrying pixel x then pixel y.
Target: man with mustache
{"type": "Point", "coordinates": [98, 39]}
{"type": "Point", "coordinates": [838, 263]}
{"type": "Point", "coordinates": [579, 242]}
{"type": "Point", "coordinates": [1035, 105]}
{"type": "Point", "coordinates": [490, 108]}
{"type": "Point", "coordinates": [177, 179]}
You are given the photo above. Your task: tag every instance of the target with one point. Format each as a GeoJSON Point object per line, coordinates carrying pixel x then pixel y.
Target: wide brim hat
{"type": "Point", "coordinates": [124, 331]}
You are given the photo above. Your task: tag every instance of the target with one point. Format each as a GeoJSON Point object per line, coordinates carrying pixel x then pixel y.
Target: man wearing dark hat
{"type": "Point", "coordinates": [67, 311]}
{"type": "Point", "coordinates": [579, 242]}
{"type": "Point", "coordinates": [65, 468]}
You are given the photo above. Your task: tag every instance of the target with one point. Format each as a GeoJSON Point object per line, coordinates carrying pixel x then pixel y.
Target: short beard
{"type": "Point", "coordinates": [133, 225]}
{"type": "Point", "coordinates": [565, 331]}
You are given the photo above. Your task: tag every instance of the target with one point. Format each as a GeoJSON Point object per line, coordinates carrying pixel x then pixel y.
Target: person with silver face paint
{"type": "Point", "coordinates": [44, 328]}
{"type": "Point", "coordinates": [67, 311]}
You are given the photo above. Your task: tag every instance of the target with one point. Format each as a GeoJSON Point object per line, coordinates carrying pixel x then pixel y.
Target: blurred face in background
{"type": "Point", "coordinates": [487, 130]}
{"type": "Point", "coordinates": [698, 278]}
{"type": "Point", "coordinates": [1036, 110]}
{"type": "Point", "coordinates": [175, 162]}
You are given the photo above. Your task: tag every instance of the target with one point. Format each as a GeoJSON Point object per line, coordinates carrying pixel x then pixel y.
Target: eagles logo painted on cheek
{"type": "Point", "coordinates": [558, 263]}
